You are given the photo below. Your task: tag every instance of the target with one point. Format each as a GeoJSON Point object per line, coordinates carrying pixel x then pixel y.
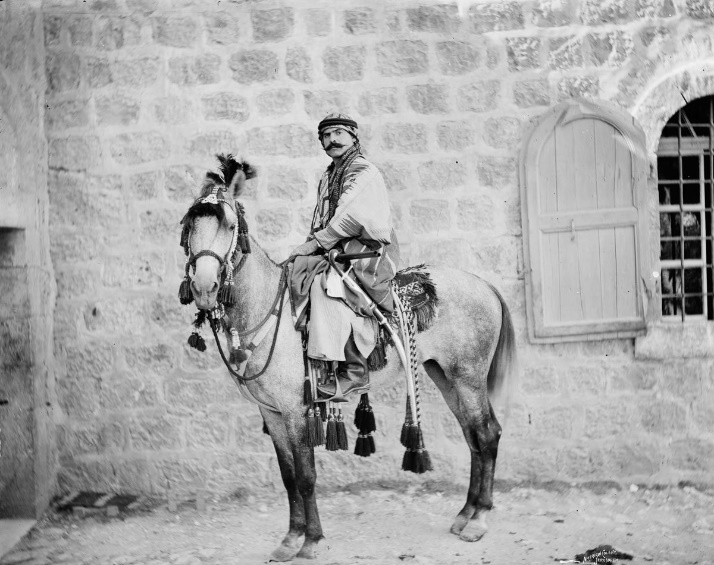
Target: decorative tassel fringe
{"type": "Point", "coordinates": [307, 399]}
{"type": "Point", "coordinates": [197, 342]}
{"type": "Point", "coordinates": [228, 294]}
{"type": "Point", "coordinates": [185, 294]}
{"type": "Point", "coordinates": [364, 446]}
{"type": "Point", "coordinates": [364, 416]}
{"type": "Point", "coordinates": [342, 442]}
{"type": "Point", "coordinates": [238, 356]}
{"type": "Point", "coordinates": [417, 459]}
{"type": "Point", "coordinates": [408, 424]}
{"type": "Point", "coordinates": [319, 429]}
{"type": "Point", "coordinates": [331, 436]}
{"type": "Point", "coordinates": [377, 360]}
{"type": "Point", "coordinates": [311, 428]}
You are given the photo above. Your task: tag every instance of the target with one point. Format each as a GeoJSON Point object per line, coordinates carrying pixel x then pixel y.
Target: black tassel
{"type": "Point", "coordinates": [364, 416]}
{"type": "Point", "coordinates": [265, 428]}
{"type": "Point", "coordinates": [197, 342]}
{"type": "Point", "coordinates": [238, 356]}
{"type": "Point", "coordinates": [408, 460]}
{"type": "Point", "coordinates": [413, 437]}
{"type": "Point", "coordinates": [311, 428]}
{"type": "Point", "coordinates": [185, 294]}
{"type": "Point", "coordinates": [405, 434]}
{"type": "Point", "coordinates": [331, 435]}
{"type": "Point", "coordinates": [342, 442]}
{"type": "Point", "coordinates": [370, 442]}
{"type": "Point", "coordinates": [307, 392]}
{"type": "Point", "coordinates": [228, 294]}
{"type": "Point", "coordinates": [362, 446]}
{"type": "Point", "coordinates": [319, 429]}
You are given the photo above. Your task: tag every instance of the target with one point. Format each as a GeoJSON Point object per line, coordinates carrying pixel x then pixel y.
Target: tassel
{"type": "Point", "coordinates": [244, 242]}
{"type": "Point", "coordinates": [238, 356]}
{"type": "Point", "coordinates": [185, 294]}
{"type": "Point", "coordinates": [405, 434]}
{"type": "Point", "coordinates": [265, 428]}
{"type": "Point", "coordinates": [342, 442]}
{"type": "Point", "coordinates": [362, 446]}
{"type": "Point", "coordinates": [413, 437]}
{"type": "Point", "coordinates": [319, 429]}
{"type": "Point", "coordinates": [228, 295]}
{"type": "Point", "coordinates": [307, 391]}
{"type": "Point", "coordinates": [197, 342]}
{"type": "Point", "coordinates": [364, 416]}
{"type": "Point", "coordinates": [311, 429]}
{"type": "Point", "coordinates": [408, 460]}
{"type": "Point", "coordinates": [331, 436]}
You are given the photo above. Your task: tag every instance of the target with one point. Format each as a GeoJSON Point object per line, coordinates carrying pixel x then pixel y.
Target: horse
{"type": "Point", "coordinates": [468, 352]}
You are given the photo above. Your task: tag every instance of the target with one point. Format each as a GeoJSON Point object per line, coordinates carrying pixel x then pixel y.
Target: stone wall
{"type": "Point", "coordinates": [142, 93]}
{"type": "Point", "coordinates": [27, 437]}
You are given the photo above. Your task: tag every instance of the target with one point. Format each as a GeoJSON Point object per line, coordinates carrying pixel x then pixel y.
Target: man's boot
{"type": "Point", "coordinates": [352, 375]}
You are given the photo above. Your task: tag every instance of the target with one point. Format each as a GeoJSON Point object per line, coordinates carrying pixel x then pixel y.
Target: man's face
{"type": "Point", "coordinates": [336, 141]}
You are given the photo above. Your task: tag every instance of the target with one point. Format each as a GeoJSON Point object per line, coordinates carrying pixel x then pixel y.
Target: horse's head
{"type": "Point", "coordinates": [215, 233]}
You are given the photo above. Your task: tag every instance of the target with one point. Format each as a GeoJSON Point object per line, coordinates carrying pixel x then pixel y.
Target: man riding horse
{"type": "Point", "coordinates": [352, 214]}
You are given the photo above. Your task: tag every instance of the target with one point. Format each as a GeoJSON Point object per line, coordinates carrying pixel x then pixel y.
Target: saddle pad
{"type": "Point", "coordinates": [417, 292]}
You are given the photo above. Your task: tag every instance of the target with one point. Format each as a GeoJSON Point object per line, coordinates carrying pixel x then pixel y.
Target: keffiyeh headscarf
{"type": "Point", "coordinates": [342, 121]}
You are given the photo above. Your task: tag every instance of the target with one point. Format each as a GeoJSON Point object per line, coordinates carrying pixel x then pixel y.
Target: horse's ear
{"type": "Point", "coordinates": [236, 185]}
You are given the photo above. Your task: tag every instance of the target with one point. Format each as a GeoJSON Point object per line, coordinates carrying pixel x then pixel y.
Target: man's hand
{"type": "Point", "coordinates": [307, 248]}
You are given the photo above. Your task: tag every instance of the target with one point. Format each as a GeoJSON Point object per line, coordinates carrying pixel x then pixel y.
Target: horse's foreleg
{"type": "Point", "coordinates": [292, 542]}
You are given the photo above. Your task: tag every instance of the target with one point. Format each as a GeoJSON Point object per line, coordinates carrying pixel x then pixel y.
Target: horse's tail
{"type": "Point", "coordinates": [503, 364]}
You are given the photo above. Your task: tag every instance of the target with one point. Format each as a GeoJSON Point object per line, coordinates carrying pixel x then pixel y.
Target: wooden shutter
{"type": "Point", "coordinates": [583, 185]}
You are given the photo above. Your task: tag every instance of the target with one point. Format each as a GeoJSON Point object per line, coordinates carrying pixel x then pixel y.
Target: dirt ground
{"type": "Point", "coordinates": [392, 524]}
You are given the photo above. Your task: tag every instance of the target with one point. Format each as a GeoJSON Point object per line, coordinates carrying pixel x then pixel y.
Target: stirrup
{"type": "Point", "coordinates": [340, 395]}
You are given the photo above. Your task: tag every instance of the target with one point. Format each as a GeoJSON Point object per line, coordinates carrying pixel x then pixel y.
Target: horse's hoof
{"type": "Point", "coordinates": [283, 553]}
{"type": "Point", "coordinates": [475, 529]}
{"type": "Point", "coordinates": [308, 551]}
{"type": "Point", "coordinates": [473, 535]}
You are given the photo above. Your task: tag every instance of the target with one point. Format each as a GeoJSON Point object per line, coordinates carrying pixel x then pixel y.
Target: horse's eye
{"type": "Point", "coordinates": [233, 227]}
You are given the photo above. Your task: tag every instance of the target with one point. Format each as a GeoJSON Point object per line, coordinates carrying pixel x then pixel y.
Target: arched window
{"type": "Point", "coordinates": [686, 194]}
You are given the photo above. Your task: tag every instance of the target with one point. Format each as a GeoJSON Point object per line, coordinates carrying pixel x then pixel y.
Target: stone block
{"type": "Point", "coordinates": [74, 282]}
{"type": "Point", "coordinates": [587, 86]}
{"type": "Point", "coordinates": [692, 454]}
{"type": "Point", "coordinates": [134, 475]}
{"type": "Point", "coordinates": [273, 224]}
{"type": "Point", "coordinates": [140, 72]}
{"type": "Point", "coordinates": [523, 53]}
{"type": "Point", "coordinates": [359, 21]}
{"type": "Point", "coordinates": [154, 433]}
{"type": "Point", "coordinates": [443, 18]}
{"type": "Point", "coordinates": [634, 378]}
{"type": "Point", "coordinates": [699, 9]}
{"type": "Point", "coordinates": [530, 93]}
{"type": "Point", "coordinates": [142, 6]}
{"type": "Point", "coordinates": [164, 310]}
{"type": "Point", "coordinates": [175, 31]}
{"type": "Point", "coordinates": [115, 32]}
{"type": "Point", "coordinates": [225, 106]}
{"type": "Point", "coordinates": [172, 110]}
{"type": "Point", "coordinates": [598, 12]}
{"type": "Point", "coordinates": [129, 391]}
{"type": "Point", "coordinates": [75, 153]}
{"type": "Point", "coordinates": [208, 432]}
{"type": "Point", "coordinates": [398, 176]}
{"type": "Point", "coordinates": [298, 65]}
{"type": "Point", "coordinates": [272, 25]}
{"type": "Point", "coordinates": [137, 148]}
{"type": "Point", "coordinates": [655, 36]}
{"type": "Point", "coordinates": [496, 16]}
{"type": "Point", "coordinates": [479, 96]}
{"type": "Point", "coordinates": [195, 394]}
{"type": "Point", "coordinates": [67, 114]}
{"type": "Point", "coordinates": [182, 182]}
{"type": "Point", "coordinates": [318, 22]}
{"type": "Point", "coordinates": [193, 70]}
{"type": "Point", "coordinates": [134, 271]}
{"type": "Point", "coordinates": [607, 418]}
{"type": "Point", "coordinates": [255, 65]}
{"type": "Point", "coordinates": [402, 58]}
{"type": "Point", "coordinates": [457, 57]}
{"type": "Point", "coordinates": [53, 26]}
{"type": "Point", "coordinates": [502, 133]}
{"type": "Point", "coordinates": [378, 102]}
{"type": "Point", "coordinates": [78, 398]}
{"type": "Point", "coordinates": [89, 361]}
{"type": "Point", "coordinates": [441, 175]}
{"type": "Point", "coordinates": [222, 28]}
{"type": "Point", "coordinates": [290, 140]}
{"type": "Point", "coordinates": [474, 214]}
{"type": "Point", "coordinates": [344, 63]}
{"type": "Point", "coordinates": [117, 109]}
{"type": "Point", "coordinates": [585, 381]}
{"type": "Point", "coordinates": [455, 135]}
{"type": "Point", "coordinates": [654, 8]}
{"type": "Point", "coordinates": [63, 71]}
{"type": "Point", "coordinates": [429, 216]}
{"type": "Point", "coordinates": [112, 316]}
{"type": "Point", "coordinates": [565, 53]}
{"type": "Point", "coordinates": [548, 13]}
{"type": "Point", "coordinates": [663, 416]}
{"type": "Point", "coordinates": [72, 246]}
{"type": "Point", "coordinates": [207, 145]}
{"type": "Point", "coordinates": [145, 186]}
{"type": "Point", "coordinates": [287, 183]}
{"type": "Point", "coordinates": [404, 138]}
{"type": "Point", "coordinates": [275, 102]}
{"type": "Point", "coordinates": [85, 475]}
{"type": "Point", "coordinates": [540, 380]}
{"type": "Point", "coordinates": [609, 49]}
{"type": "Point", "coordinates": [428, 98]}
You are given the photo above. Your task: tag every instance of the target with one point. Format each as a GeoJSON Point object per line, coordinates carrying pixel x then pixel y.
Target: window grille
{"type": "Point", "coordinates": [685, 165]}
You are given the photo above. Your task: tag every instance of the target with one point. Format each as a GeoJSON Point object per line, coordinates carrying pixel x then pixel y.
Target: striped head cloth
{"type": "Point", "coordinates": [336, 120]}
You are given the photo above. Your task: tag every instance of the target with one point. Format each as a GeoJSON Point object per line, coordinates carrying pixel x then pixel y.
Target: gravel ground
{"type": "Point", "coordinates": [392, 524]}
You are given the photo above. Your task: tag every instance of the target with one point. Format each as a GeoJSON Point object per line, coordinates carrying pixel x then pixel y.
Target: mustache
{"type": "Point", "coordinates": [333, 146]}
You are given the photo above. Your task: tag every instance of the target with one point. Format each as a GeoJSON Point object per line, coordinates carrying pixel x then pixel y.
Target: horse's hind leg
{"type": "Point", "coordinates": [292, 541]}
{"type": "Point", "coordinates": [482, 432]}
